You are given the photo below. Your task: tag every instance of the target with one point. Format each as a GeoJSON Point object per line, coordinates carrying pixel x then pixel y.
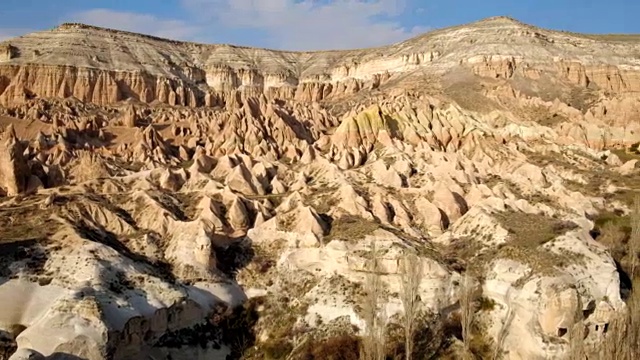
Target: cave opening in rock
{"type": "Point", "coordinates": [562, 332]}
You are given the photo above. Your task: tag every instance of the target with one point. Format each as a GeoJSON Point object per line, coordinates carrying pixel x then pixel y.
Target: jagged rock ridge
{"type": "Point", "coordinates": [171, 188]}
{"type": "Point", "coordinates": [118, 65]}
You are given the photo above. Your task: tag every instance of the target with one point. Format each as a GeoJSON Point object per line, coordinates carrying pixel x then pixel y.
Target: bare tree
{"type": "Point", "coordinates": [615, 342]}
{"type": "Point", "coordinates": [577, 346]}
{"type": "Point", "coordinates": [503, 333]}
{"type": "Point", "coordinates": [605, 139]}
{"type": "Point", "coordinates": [373, 342]}
{"type": "Point", "coordinates": [621, 340]}
{"type": "Point", "coordinates": [466, 311]}
{"type": "Point", "coordinates": [411, 272]}
{"type": "Point", "coordinates": [634, 239]}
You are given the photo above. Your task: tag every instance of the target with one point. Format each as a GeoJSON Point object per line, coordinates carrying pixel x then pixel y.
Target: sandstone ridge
{"type": "Point", "coordinates": [172, 200]}
{"type": "Point", "coordinates": [105, 66]}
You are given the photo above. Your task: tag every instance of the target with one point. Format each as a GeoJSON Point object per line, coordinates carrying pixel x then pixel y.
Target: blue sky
{"type": "Point", "coordinates": [311, 24]}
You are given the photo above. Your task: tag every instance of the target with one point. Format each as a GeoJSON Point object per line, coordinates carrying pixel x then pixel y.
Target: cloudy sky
{"type": "Point", "coordinates": [310, 24]}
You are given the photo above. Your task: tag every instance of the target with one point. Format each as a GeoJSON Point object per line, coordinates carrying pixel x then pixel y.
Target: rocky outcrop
{"type": "Point", "coordinates": [134, 223]}
{"type": "Point", "coordinates": [189, 74]}
{"type": "Point", "coordinates": [130, 117]}
{"type": "Point", "coordinates": [7, 52]}
{"type": "Point", "coordinates": [14, 171]}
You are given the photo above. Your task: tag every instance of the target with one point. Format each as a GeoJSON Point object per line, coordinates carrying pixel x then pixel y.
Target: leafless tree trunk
{"type": "Point", "coordinates": [503, 333]}
{"type": "Point", "coordinates": [411, 272]}
{"type": "Point", "coordinates": [615, 344]}
{"type": "Point", "coordinates": [374, 339]}
{"type": "Point", "coordinates": [577, 350]}
{"type": "Point", "coordinates": [622, 339]}
{"type": "Point", "coordinates": [466, 312]}
{"type": "Point", "coordinates": [633, 335]}
{"type": "Point", "coordinates": [605, 139]}
{"type": "Point", "coordinates": [634, 239]}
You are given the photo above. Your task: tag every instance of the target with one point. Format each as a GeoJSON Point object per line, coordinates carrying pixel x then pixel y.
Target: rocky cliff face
{"type": "Point", "coordinates": [14, 172]}
{"type": "Point", "coordinates": [148, 187]}
{"type": "Point", "coordinates": [104, 66]}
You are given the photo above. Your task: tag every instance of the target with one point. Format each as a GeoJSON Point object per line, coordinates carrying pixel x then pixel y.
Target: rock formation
{"type": "Point", "coordinates": [105, 73]}
{"type": "Point", "coordinates": [14, 172]}
{"type": "Point", "coordinates": [180, 208]}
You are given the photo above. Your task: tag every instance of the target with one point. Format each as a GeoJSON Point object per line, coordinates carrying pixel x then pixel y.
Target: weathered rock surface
{"type": "Point", "coordinates": [137, 202]}
{"type": "Point", "coordinates": [110, 70]}
{"type": "Point", "coordinates": [14, 172]}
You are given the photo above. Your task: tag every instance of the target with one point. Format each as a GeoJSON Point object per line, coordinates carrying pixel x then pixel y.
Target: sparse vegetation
{"type": "Point", "coordinates": [466, 302]}
{"type": "Point", "coordinates": [286, 222]}
{"type": "Point", "coordinates": [411, 270]}
{"type": "Point", "coordinates": [634, 238]}
{"type": "Point", "coordinates": [532, 230]}
{"type": "Point", "coordinates": [627, 154]}
{"type": "Point", "coordinates": [26, 221]}
{"type": "Point", "coordinates": [543, 116]}
{"type": "Point", "coordinates": [615, 232]}
{"type": "Point", "coordinates": [373, 342]}
{"type": "Point", "coordinates": [528, 243]}
{"type": "Point", "coordinates": [233, 327]}
{"type": "Point", "coordinates": [144, 235]}
{"type": "Point", "coordinates": [351, 228]}
{"type": "Point", "coordinates": [325, 202]}
{"type": "Point", "coordinates": [485, 303]}
{"type": "Point", "coordinates": [342, 346]}
{"type": "Point", "coordinates": [467, 91]}
{"type": "Point", "coordinates": [186, 164]}
{"type": "Point", "coordinates": [188, 203]}
{"type": "Point", "coordinates": [621, 339]}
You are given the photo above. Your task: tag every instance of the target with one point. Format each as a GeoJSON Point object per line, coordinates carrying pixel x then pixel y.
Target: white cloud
{"type": "Point", "coordinates": [135, 22]}
{"type": "Point", "coordinates": [310, 24]}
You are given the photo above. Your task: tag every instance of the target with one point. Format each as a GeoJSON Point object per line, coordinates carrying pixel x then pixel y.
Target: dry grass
{"type": "Point", "coordinates": [527, 235]}
{"type": "Point", "coordinates": [621, 340]}
{"type": "Point", "coordinates": [627, 38]}
{"type": "Point", "coordinates": [285, 222]}
{"type": "Point", "coordinates": [25, 224]}
{"type": "Point", "coordinates": [325, 202]}
{"type": "Point", "coordinates": [351, 228]}
{"type": "Point", "coordinates": [342, 346]}
{"type": "Point", "coordinates": [467, 93]}
{"type": "Point", "coordinates": [616, 232]}
{"type": "Point", "coordinates": [541, 115]}
{"type": "Point", "coordinates": [580, 98]}
{"type": "Point", "coordinates": [593, 172]}
{"type": "Point", "coordinates": [531, 230]}
{"type": "Point", "coordinates": [626, 154]}
{"type": "Point", "coordinates": [188, 203]}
